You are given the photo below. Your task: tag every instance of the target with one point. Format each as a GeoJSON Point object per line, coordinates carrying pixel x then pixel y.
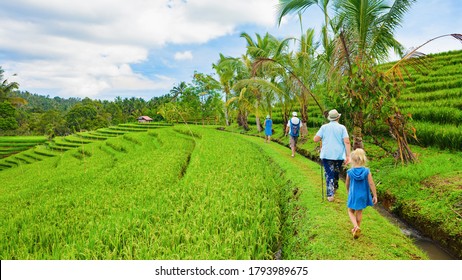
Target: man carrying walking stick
{"type": "Point", "coordinates": [335, 150]}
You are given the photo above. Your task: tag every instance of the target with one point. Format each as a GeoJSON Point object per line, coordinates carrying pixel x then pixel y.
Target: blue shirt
{"type": "Point", "coordinates": [268, 127]}
{"type": "Point", "coordinates": [359, 196]}
{"type": "Point", "coordinates": [332, 135]}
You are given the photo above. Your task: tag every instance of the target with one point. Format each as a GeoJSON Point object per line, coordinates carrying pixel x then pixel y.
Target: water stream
{"type": "Point", "coordinates": [433, 250]}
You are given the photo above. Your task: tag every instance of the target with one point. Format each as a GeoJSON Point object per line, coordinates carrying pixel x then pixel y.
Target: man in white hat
{"type": "Point", "coordinates": [293, 129]}
{"type": "Point", "coordinates": [335, 150]}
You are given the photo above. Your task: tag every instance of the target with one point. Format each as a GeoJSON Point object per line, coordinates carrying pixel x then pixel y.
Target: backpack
{"type": "Point", "coordinates": [294, 129]}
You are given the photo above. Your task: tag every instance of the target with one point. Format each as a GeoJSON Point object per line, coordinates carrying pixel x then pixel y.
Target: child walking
{"type": "Point", "coordinates": [359, 184]}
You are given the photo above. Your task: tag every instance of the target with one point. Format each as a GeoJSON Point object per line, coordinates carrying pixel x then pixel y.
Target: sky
{"type": "Point", "coordinates": [102, 49]}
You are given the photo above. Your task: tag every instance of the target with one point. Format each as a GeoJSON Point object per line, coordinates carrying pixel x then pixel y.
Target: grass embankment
{"type": "Point", "coordinates": [427, 194]}
{"type": "Point", "coordinates": [173, 194]}
{"type": "Point", "coordinates": [10, 145]}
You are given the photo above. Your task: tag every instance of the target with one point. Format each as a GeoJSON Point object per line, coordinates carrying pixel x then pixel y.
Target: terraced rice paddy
{"type": "Point", "coordinates": [433, 97]}
{"type": "Point", "coordinates": [130, 197]}
{"type": "Point", "coordinates": [180, 192]}
{"type": "Point", "coordinates": [19, 150]}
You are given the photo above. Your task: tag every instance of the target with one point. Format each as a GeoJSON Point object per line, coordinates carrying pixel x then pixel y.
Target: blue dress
{"type": "Point", "coordinates": [268, 127]}
{"type": "Point", "coordinates": [359, 196]}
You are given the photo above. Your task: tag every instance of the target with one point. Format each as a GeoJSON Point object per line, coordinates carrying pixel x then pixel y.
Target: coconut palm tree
{"type": "Point", "coordinates": [178, 90]}
{"type": "Point", "coordinates": [305, 66]}
{"type": "Point", "coordinates": [298, 69]}
{"type": "Point", "coordinates": [7, 89]}
{"type": "Point", "coordinates": [364, 41]}
{"type": "Point", "coordinates": [262, 47]}
{"type": "Point", "coordinates": [228, 68]}
{"type": "Point", "coordinates": [330, 26]}
{"type": "Point", "coordinates": [362, 35]}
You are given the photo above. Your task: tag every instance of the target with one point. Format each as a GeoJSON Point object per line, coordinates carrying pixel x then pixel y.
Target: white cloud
{"type": "Point", "coordinates": [82, 48]}
{"type": "Point", "coordinates": [186, 55]}
{"type": "Point", "coordinates": [90, 47]}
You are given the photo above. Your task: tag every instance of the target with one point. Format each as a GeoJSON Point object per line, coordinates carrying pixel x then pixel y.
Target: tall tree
{"type": "Point", "coordinates": [298, 69]}
{"type": "Point", "coordinates": [261, 47]}
{"type": "Point", "coordinates": [228, 70]}
{"type": "Point", "coordinates": [7, 90]}
{"type": "Point", "coordinates": [7, 117]}
{"type": "Point", "coordinates": [207, 88]}
{"type": "Point", "coordinates": [365, 39]}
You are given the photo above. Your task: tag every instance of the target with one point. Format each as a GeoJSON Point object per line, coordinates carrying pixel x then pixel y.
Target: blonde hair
{"type": "Point", "coordinates": [358, 157]}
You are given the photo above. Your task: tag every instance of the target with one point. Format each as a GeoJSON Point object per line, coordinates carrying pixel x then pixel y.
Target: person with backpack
{"type": "Point", "coordinates": [293, 129]}
{"type": "Point", "coordinates": [335, 150]}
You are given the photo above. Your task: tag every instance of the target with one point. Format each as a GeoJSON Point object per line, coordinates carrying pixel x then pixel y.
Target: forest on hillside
{"type": "Point", "coordinates": [24, 113]}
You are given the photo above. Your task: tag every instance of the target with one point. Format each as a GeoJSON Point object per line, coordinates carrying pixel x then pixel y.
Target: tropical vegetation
{"type": "Point", "coordinates": [405, 112]}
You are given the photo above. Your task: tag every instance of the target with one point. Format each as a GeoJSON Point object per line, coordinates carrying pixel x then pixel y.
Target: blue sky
{"type": "Point", "coordinates": [106, 48]}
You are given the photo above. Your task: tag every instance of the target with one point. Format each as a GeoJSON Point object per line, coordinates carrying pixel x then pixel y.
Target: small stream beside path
{"type": "Point", "coordinates": [433, 250]}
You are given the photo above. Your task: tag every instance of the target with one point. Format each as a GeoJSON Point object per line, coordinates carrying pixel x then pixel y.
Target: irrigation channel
{"type": "Point", "coordinates": [432, 248]}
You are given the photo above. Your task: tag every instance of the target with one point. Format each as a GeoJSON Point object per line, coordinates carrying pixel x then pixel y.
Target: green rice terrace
{"type": "Point", "coordinates": [169, 193]}
{"type": "Point", "coordinates": [156, 191]}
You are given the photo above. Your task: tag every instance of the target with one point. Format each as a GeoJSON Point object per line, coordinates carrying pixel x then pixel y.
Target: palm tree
{"type": "Point", "coordinates": [262, 47]}
{"type": "Point", "coordinates": [329, 25]}
{"type": "Point", "coordinates": [297, 69]}
{"type": "Point", "coordinates": [362, 33]}
{"type": "Point", "coordinates": [228, 69]}
{"type": "Point", "coordinates": [177, 91]}
{"type": "Point", "coordinates": [278, 90]}
{"type": "Point", "coordinates": [7, 89]}
{"type": "Point", "coordinates": [304, 66]}
{"type": "Point", "coordinates": [364, 41]}
{"type": "Point", "coordinates": [244, 97]}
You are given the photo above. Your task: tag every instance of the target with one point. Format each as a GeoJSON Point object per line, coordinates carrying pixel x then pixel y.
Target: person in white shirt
{"type": "Point", "coordinates": [293, 129]}
{"type": "Point", "coordinates": [335, 150]}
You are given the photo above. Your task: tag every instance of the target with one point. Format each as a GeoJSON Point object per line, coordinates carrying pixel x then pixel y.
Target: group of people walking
{"type": "Point", "coordinates": [335, 153]}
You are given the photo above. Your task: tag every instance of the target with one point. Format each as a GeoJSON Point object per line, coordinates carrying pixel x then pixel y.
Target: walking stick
{"type": "Point", "coordinates": [322, 175]}
{"type": "Point", "coordinates": [322, 184]}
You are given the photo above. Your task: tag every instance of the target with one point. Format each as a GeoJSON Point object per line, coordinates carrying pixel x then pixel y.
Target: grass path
{"type": "Point", "coordinates": [317, 229]}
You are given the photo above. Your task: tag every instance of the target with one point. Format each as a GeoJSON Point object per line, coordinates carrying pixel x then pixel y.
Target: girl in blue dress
{"type": "Point", "coordinates": [359, 184]}
{"type": "Point", "coordinates": [268, 129]}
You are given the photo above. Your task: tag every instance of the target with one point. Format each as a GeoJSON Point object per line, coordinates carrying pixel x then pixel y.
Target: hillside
{"type": "Point", "coordinates": [433, 98]}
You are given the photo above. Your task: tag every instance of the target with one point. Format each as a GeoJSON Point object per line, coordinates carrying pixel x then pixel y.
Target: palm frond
{"type": "Point", "coordinates": [457, 36]}
{"type": "Point", "coordinates": [262, 84]}
{"type": "Point", "coordinates": [247, 37]}
{"type": "Point", "coordinates": [286, 7]}
{"type": "Point", "coordinates": [383, 33]}
{"type": "Point", "coordinates": [415, 58]}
